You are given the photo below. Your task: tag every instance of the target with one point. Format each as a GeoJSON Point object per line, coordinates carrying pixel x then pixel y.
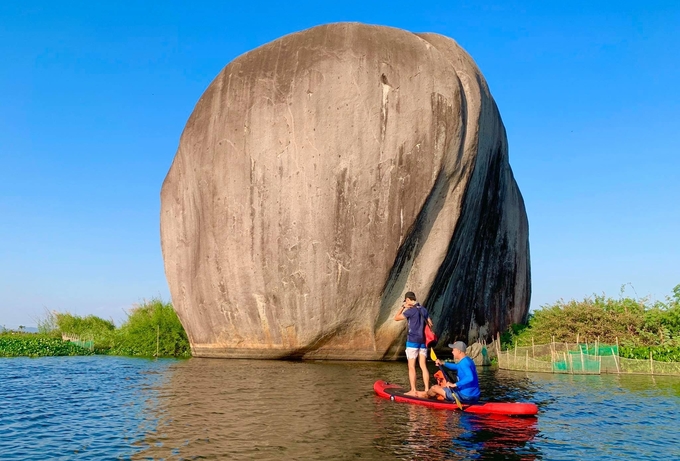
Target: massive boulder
{"type": "Point", "coordinates": [323, 175]}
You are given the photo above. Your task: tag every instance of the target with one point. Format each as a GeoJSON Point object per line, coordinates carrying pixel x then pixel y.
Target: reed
{"type": "Point", "coordinates": [152, 329]}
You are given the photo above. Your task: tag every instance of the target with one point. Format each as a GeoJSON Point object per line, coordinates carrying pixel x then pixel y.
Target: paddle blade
{"type": "Point", "coordinates": [433, 356]}
{"type": "Point", "coordinates": [455, 397]}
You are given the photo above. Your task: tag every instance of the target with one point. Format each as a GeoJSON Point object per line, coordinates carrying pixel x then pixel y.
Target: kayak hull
{"type": "Point", "coordinates": [395, 393]}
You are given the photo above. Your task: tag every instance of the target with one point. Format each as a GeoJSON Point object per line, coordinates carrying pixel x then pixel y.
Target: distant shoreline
{"type": "Point", "coordinates": [24, 329]}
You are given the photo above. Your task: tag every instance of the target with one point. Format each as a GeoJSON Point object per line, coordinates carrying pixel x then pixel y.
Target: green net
{"type": "Point", "coordinates": [75, 339]}
{"type": "Point", "coordinates": [577, 362]}
{"type": "Point", "coordinates": [579, 359]}
{"type": "Point", "coordinates": [599, 349]}
{"type": "Point", "coordinates": [84, 344]}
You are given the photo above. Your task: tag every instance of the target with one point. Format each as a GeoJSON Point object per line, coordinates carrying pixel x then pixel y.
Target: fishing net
{"type": "Point", "coordinates": [75, 339]}
{"type": "Point", "coordinates": [578, 358]}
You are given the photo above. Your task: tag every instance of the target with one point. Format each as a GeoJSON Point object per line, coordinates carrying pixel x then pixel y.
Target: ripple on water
{"type": "Point", "coordinates": [71, 407]}
{"type": "Point", "coordinates": [79, 408]}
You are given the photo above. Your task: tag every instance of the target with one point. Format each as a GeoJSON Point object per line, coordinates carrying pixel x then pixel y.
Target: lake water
{"type": "Point", "coordinates": [100, 408]}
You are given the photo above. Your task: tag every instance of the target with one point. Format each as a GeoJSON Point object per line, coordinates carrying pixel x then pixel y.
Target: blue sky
{"type": "Point", "coordinates": [94, 97]}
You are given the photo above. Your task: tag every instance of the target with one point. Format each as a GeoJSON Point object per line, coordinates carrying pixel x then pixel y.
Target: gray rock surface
{"type": "Point", "coordinates": [323, 175]}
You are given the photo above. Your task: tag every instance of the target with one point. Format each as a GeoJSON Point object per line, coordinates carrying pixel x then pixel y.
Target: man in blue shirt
{"type": "Point", "coordinates": [467, 385]}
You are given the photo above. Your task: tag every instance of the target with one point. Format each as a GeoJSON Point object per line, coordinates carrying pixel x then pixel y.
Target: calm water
{"type": "Point", "coordinates": [82, 408]}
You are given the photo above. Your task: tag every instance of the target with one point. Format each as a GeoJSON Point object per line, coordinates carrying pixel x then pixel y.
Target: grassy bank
{"type": "Point", "coordinates": [639, 326]}
{"type": "Point", "coordinates": [152, 329]}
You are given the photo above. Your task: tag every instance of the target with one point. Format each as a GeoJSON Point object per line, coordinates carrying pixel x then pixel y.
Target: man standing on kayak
{"type": "Point", "coordinates": [467, 385]}
{"type": "Point", "coordinates": [416, 316]}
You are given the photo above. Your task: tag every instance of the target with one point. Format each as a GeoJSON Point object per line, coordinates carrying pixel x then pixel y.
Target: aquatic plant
{"type": "Point", "coordinates": [20, 344]}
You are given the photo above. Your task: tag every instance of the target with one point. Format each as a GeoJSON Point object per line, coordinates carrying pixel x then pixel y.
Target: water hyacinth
{"type": "Point", "coordinates": [16, 344]}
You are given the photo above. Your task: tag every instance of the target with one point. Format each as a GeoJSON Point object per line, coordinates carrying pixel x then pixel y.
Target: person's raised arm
{"type": "Point", "coordinates": [400, 315]}
{"type": "Point", "coordinates": [451, 365]}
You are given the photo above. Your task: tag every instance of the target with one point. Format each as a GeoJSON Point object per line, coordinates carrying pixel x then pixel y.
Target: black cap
{"type": "Point", "coordinates": [410, 295]}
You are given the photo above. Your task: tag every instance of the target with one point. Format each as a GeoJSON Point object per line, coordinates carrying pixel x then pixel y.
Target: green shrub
{"type": "Point", "coordinates": [661, 353]}
{"type": "Point", "coordinates": [636, 324]}
{"type": "Point", "coordinates": [150, 329]}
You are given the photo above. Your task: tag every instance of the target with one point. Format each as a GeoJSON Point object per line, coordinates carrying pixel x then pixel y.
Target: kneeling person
{"type": "Point", "coordinates": [467, 385]}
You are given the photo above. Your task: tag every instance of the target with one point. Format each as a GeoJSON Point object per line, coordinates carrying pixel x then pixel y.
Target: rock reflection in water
{"type": "Point", "coordinates": [243, 409]}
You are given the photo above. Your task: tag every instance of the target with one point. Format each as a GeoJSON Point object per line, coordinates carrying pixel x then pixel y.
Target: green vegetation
{"type": "Point", "coordinates": [640, 327]}
{"type": "Point", "coordinates": [89, 328]}
{"type": "Point", "coordinates": [152, 329]}
{"type": "Point", "coordinates": [20, 344]}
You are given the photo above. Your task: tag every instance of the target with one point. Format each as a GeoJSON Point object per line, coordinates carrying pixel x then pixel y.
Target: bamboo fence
{"type": "Point", "coordinates": [578, 358]}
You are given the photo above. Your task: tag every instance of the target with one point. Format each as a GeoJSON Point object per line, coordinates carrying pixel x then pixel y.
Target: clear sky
{"type": "Point", "coordinates": [94, 97]}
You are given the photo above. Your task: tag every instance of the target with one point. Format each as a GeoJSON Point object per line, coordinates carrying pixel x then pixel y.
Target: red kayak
{"type": "Point", "coordinates": [396, 393]}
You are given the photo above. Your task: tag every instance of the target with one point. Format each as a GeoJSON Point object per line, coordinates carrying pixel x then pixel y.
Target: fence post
{"type": "Point", "coordinates": [552, 355]}
{"type": "Point", "coordinates": [566, 361]}
{"type": "Point", "coordinates": [553, 348]}
{"type": "Point", "coordinates": [498, 349]}
{"type": "Point", "coordinates": [599, 366]}
{"type": "Point", "coordinates": [526, 362]}
{"type": "Point", "coordinates": [533, 348]}
{"type": "Point", "coordinates": [616, 358]}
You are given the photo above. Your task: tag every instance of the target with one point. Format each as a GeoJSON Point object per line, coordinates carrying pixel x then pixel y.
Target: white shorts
{"type": "Point", "coordinates": [413, 352]}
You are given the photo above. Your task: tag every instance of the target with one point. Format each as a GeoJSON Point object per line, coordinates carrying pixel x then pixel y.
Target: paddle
{"type": "Point", "coordinates": [433, 356]}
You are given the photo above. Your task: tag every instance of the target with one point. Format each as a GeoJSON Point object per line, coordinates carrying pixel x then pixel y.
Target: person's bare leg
{"type": "Point", "coordinates": [435, 391]}
{"type": "Point", "coordinates": [412, 376]}
{"type": "Point", "coordinates": [426, 373]}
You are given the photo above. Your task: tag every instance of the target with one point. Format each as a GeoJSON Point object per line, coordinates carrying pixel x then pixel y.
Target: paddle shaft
{"type": "Point", "coordinates": [433, 356]}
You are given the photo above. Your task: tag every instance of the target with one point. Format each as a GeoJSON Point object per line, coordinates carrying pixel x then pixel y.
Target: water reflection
{"type": "Point", "coordinates": [117, 408]}
{"type": "Point", "coordinates": [441, 434]}
{"type": "Point", "coordinates": [240, 409]}
{"type": "Point", "coordinates": [496, 436]}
